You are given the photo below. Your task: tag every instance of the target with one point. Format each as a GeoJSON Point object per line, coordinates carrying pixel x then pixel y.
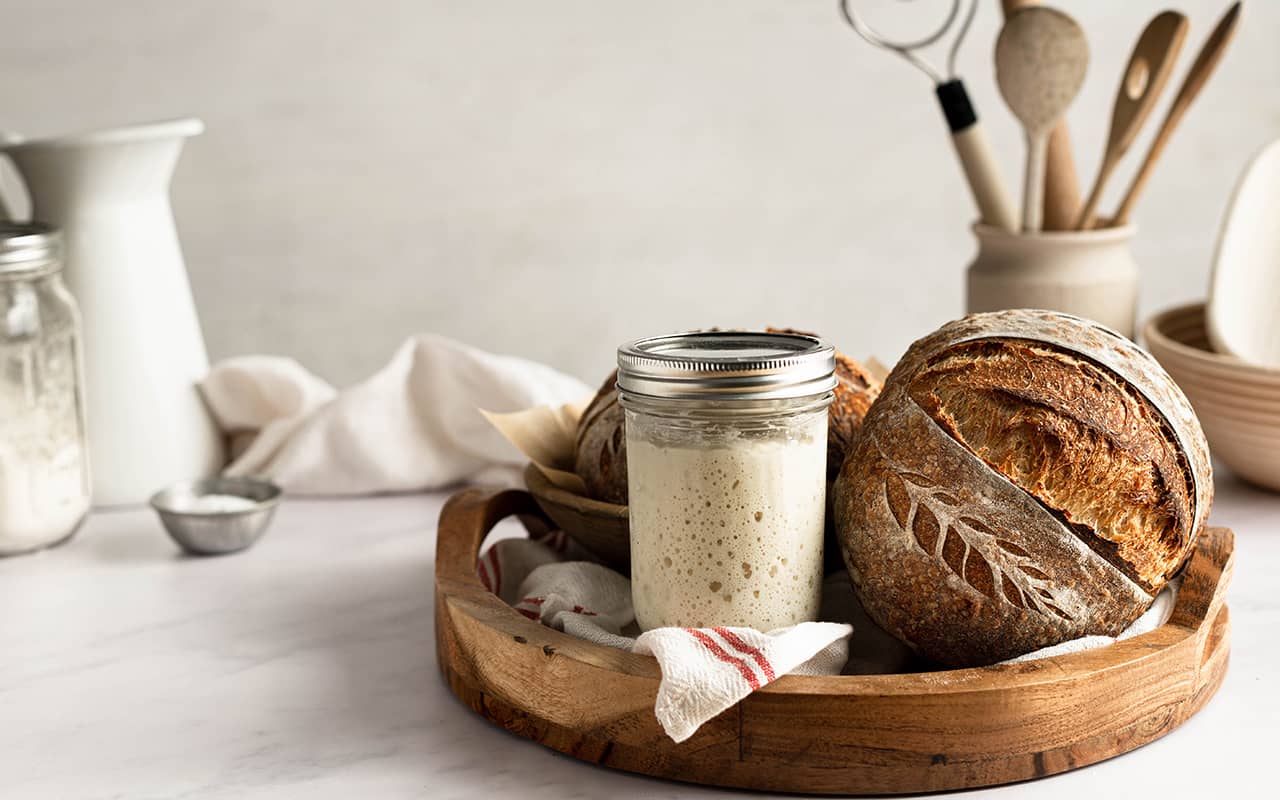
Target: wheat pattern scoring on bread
{"type": "Point", "coordinates": [990, 563]}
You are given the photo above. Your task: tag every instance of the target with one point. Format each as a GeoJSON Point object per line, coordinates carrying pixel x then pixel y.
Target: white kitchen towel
{"type": "Point", "coordinates": [704, 670]}
{"type": "Point", "coordinates": [1154, 617]}
{"type": "Point", "coordinates": [413, 425]}
{"type": "Point", "coordinates": [707, 670]}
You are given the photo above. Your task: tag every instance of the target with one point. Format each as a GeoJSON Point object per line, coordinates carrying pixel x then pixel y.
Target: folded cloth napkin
{"type": "Point", "coordinates": [704, 670]}
{"type": "Point", "coordinates": [413, 425]}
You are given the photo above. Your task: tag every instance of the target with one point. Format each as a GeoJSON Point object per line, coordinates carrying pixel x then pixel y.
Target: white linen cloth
{"type": "Point", "coordinates": [413, 425]}
{"type": "Point", "coordinates": [704, 670]}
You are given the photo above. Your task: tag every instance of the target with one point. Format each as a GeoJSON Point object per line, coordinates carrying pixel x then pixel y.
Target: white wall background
{"type": "Point", "coordinates": [550, 178]}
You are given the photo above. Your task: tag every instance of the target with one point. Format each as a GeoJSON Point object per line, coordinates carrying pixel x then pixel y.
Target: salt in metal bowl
{"type": "Point", "coordinates": [214, 532]}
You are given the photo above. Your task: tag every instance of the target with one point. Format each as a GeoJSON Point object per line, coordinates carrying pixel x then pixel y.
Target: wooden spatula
{"type": "Point", "coordinates": [1150, 66]}
{"type": "Point", "coordinates": [1206, 62]}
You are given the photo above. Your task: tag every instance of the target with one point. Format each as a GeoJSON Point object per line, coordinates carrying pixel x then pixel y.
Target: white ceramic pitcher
{"type": "Point", "coordinates": [144, 352]}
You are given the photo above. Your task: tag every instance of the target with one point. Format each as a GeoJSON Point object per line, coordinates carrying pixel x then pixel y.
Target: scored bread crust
{"type": "Point", "coordinates": [956, 559]}
{"type": "Point", "coordinates": [600, 446]}
{"type": "Point", "coordinates": [1077, 437]}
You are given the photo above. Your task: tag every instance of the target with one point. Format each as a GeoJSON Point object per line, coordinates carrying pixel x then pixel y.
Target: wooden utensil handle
{"type": "Point", "coordinates": [1061, 185]}
{"type": "Point", "coordinates": [977, 159]}
{"type": "Point", "coordinates": [1033, 183]}
{"type": "Point", "coordinates": [982, 171]}
{"type": "Point", "coordinates": [1140, 178]}
{"type": "Point", "coordinates": [1197, 76]}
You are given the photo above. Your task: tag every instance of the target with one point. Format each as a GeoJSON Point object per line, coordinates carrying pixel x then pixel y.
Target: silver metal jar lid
{"type": "Point", "coordinates": [29, 248]}
{"type": "Point", "coordinates": [727, 366]}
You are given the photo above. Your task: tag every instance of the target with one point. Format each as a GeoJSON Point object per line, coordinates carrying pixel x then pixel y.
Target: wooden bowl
{"type": "Point", "coordinates": [1238, 403]}
{"type": "Point", "coordinates": [602, 528]}
{"type": "Point", "coordinates": [839, 734]}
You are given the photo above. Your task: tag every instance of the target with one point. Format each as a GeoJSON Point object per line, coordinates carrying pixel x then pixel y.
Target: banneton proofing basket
{"type": "Point", "coordinates": [866, 734]}
{"type": "Point", "coordinates": [1238, 403]}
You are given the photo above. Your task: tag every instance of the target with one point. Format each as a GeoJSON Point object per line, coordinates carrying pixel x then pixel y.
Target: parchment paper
{"type": "Point", "coordinates": [546, 435]}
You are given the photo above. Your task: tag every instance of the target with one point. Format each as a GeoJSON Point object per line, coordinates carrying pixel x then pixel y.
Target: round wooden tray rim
{"type": "Point", "coordinates": [1197, 634]}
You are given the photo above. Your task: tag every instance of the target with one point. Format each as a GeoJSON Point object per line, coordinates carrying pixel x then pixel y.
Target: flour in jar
{"type": "Point", "coordinates": [44, 471]}
{"type": "Point", "coordinates": [728, 533]}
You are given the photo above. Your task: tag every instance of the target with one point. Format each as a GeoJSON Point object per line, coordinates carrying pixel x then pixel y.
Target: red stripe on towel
{"type": "Point", "coordinates": [531, 601]}
{"type": "Point", "coordinates": [720, 653]}
{"type": "Point", "coordinates": [484, 575]}
{"type": "Point", "coordinates": [742, 647]}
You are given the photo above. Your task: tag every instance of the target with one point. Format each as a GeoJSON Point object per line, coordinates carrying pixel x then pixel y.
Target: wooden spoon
{"type": "Point", "coordinates": [1061, 187]}
{"type": "Point", "coordinates": [1041, 59]}
{"type": "Point", "coordinates": [1144, 78]}
{"type": "Point", "coordinates": [1206, 62]}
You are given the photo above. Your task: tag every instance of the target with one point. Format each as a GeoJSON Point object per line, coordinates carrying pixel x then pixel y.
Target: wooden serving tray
{"type": "Point", "coordinates": [833, 734]}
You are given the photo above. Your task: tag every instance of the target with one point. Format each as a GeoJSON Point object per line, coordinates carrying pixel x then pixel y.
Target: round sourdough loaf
{"type": "Point", "coordinates": [856, 389]}
{"type": "Point", "coordinates": [1025, 478]}
{"type": "Point", "coordinates": [600, 448]}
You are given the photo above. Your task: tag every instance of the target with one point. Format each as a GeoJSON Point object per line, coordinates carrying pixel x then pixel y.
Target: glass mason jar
{"type": "Point", "coordinates": [44, 471]}
{"type": "Point", "coordinates": [726, 477]}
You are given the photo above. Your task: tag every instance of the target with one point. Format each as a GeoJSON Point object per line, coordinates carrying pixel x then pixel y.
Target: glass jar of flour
{"type": "Point", "coordinates": [44, 472]}
{"type": "Point", "coordinates": [726, 471]}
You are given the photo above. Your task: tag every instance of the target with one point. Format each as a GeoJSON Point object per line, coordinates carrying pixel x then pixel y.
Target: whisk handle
{"type": "Point", "coordinates": [978, 160]}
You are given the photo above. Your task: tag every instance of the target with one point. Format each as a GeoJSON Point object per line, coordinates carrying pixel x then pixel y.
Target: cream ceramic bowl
{"type": "Point", "coordinates": [1238, 403]}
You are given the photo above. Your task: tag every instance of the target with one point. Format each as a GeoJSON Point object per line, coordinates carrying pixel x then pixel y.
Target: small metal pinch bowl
{"type": "Point", "coordinates": [217, 515]}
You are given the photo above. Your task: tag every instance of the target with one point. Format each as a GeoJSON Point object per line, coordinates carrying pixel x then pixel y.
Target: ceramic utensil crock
{"type": "Point", "coordinates": [1091, 274]}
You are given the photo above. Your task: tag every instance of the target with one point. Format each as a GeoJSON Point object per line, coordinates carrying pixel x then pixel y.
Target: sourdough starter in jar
{"type": "Point", "coordinates": [726, 464]}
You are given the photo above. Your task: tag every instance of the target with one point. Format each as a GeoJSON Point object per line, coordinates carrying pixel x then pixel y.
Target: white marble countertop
{"type": "Point", "coordinates": [306, 667]}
